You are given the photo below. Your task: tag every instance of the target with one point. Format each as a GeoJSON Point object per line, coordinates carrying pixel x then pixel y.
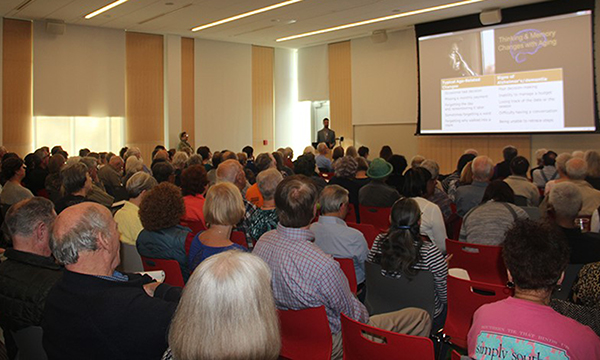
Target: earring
{"type": "Point", "coordinates": [558, 287]}
{"type": "Point", "coordinates": [510, 284]}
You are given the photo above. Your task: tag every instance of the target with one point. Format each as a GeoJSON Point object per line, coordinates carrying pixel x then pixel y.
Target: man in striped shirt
{"type": "Point", "coordinates": [305, 277]}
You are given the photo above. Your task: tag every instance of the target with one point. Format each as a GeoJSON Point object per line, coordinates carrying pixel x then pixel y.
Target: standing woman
{"type": "Point", "coordinates": [403, 252]}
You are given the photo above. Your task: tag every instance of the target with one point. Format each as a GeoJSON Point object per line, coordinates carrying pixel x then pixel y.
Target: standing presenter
{"type": "Point", "coordinates": [326, 135]}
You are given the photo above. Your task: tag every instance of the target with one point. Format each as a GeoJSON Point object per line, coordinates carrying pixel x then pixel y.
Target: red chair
{"type": "Point", "coordinates": [347, 266]}
{"type": "Point", "coordinates": [305, 334]}
{"type": "Point", "coordinates": [188, 242]}
{"type": "Point", "coordinates": [170, 267]}
{"type": "Point", "coordinates": [351, 215]}
{"type": "Point", "coordinates": [455, 355]}
{"type": "Point", "coordinates": [394, 346]}
{"type": "Point", "coordinates": [238, 237]}
{"type": "Point", "coordinates": [369, 231]}
{"type": "Point", "coordinates": [464, 298]}
{"type": "Point", "coordinates": [195, 226]}
{"type": "Point", "coordinates": [483, 262]}
{"type": "Point", "coordinates": [453, 225]}
{"type": "Point", "coordinates": [376, 216]}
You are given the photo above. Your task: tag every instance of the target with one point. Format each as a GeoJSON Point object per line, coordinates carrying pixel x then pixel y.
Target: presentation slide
{"type": "Point", "coordinates": [532, 76]}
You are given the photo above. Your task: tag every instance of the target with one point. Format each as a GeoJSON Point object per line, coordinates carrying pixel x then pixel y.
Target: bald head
{"type": "Point", "coordinates": [77, 229]}
{"type": "Point", "coordinates": [231, 171]}
{"type": "Point", "coordinates": [576, 169]}
{"type": "Point", "coordinates": [483, 168]}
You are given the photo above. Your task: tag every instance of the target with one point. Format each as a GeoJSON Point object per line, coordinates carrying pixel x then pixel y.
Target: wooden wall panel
{"type": "Point", "coordinates": [263, 128]}
{"type": "Point", "coordinates": [188, 118]}
{"type": "Point", "coordinates": [145, 92]}
{"type": "Point", "coordinates": [17, 106]}
{"type": "Point", "coordinates": [447, 149]}
{"type": "Point", "coordinates": [340, 91]}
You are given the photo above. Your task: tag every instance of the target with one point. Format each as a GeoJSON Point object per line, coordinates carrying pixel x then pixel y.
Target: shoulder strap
{"type": "Point", "coordinates": [511, 210]}
{"type": "Point", "coordinates": [554, 175]}
{"type": "Point", "coordinates": [464, 220]}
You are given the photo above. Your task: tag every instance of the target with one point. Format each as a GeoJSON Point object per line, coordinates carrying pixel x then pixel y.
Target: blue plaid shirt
{"type": "Point", "coordinates": [305, 277]}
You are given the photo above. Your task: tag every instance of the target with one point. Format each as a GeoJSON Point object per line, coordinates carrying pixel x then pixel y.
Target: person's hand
{"type": "Point", "coordinates": [448, 258]}
{"type": "Point", "coordinates": [151, 287]}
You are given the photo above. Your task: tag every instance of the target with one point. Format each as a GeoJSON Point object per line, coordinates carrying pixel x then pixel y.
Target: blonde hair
{"type": "Point", "coordinates": [223, 205]}
{"type": "Point", "coordinates": [227, 311]}
{"type": "Point", "coordinates": [466, 176]}
{"type": "Point", "coordinates": [179, 159]}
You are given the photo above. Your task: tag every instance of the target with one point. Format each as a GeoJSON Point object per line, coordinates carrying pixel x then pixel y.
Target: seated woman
{"type": "Point", "coordinates": [163, 237]}
{"type": "Point", "coordinates": [345, 176]}
{"type": "Point", "coordinates": [223, 209]}
{"type": "Point", "coordinates": [524, 325]}
{"type": "Point", "coordinates": [227, 298]}
{"type": "Point", "coordinates": [265, 217]}
{"type": "Point", "coordinates": [128, 218]}
{"type": "Point", "coordinates": [193, 187]}
{"type": "Point", "coordinates": [11, 175]}
{"type": "Point", "coordinates": [402, 252]}
{"type": "Point", "coordinates": [432, 220]}
{"type": "Point", "coordinates": [53, 182]}
{"type": "Point", "coordinates": [487, 223]}
{"type": "Point", "coordinates": [76, 183]}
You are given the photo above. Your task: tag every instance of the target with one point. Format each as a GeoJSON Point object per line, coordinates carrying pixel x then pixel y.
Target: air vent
{"type": "Point", "coordinates": [163, 14]}
{"type": "Point", "coordinates": [23, 5]}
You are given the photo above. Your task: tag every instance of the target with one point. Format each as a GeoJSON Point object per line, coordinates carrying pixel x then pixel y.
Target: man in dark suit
{"type": "Point", "coordinates": [326, 135]}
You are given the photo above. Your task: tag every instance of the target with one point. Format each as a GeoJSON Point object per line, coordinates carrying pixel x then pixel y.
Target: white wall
{"type": "Point", "coordinates": [313, 73]}
{"type": "Point", "coordinates": [292, 124]}
{"type": "Point", "coordinates": [172, 81]}
{"type": "Point", "coordinates": [223, 80]}
{"type": "Point", "coordinates": [80, 73]}
{"type": "Point", "coordinates": [384, 80]}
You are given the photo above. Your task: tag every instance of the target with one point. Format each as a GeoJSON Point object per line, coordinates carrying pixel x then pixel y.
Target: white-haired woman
{"type": "Point", "coordinates": [227, 311]}
{"type": "Point", "coordinates": [127, 217]}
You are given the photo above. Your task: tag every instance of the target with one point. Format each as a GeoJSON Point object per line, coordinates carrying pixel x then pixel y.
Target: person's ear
{"type": "Point", "coordinates": [510, 278]}
{"type": "Point", "coordinates": [41, 231]}
{"type": "Point", "coordinates": [560, 280]}
{"type": "Point", "coordinates": [103, 242]}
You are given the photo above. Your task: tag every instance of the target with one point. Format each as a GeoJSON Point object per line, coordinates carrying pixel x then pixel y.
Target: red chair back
{"type": "Point", "coordinates": [351, 215]}
{"type": "Point", "coordinates": [170, 267]}
{"type": "Point", "coordinates": [195, 226]}
{"type": "Point", "coordinates": [376, 216]}
{"type": "Point", "coordinates": [394, 346]}
{"type": "Point", "coordinates": [484, 263]}
{"type": "Point", "coordinates": [453, 225]}
{"type": "Point", "coordinates": [369, 231]}
{"type": "Point", "coordinates": [464, 298]}
{"type": "Point", "coordinates": [455, 355]}
{"type": "Point", "coordinates": [188, 242]}
{"type": "Point", "coordinates": [238, 237]}
{"type": "Point", "coordinates": [347, 266]}
{"type": "Point", "coordinates": [305, 334]}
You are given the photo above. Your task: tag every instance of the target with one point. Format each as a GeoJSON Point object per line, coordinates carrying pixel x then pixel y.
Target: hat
{"type": "Point", "coordinates": [379, 169]}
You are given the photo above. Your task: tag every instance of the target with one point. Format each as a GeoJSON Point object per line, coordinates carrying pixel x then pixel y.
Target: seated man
{"type": "Point", "coordinates": [564, 203]}
{"type": "Point", "coordinates": [502, 169]}
{"type": "Point", "coordinates": [335, 238]}
{"type": "Point", "coordinates": [547, 172]}
{"type": "Point", "coordinates": [30, 271]}
{"type": "Point", "coordinates": [469, 196]}
{"type": "Point", "coordinates": [111, 176]}
{"type": "Point", "coordinates": [305, 277]}
{"type": "Point", "coordinates": [95, 311]}
{"type": "Point", "coordinates": [519, 184]}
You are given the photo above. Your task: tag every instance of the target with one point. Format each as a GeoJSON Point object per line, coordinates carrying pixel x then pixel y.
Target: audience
{"type": "Point", "coordinates": [265, 217]}
{"type": "Point", "coordinates": [539, 161]}
{"type": "Point", "coordinates": [163, 171]}
{"type": "Point", "coordinates": [285, 171]}
{"type": "Point", "coordinates": [223, 209]}
{"type": "Point", "coordinates": [396, 179]}
{"type": "Point", "coordinates": [94, 311]}
{"type": "Point", "coordinates": [469, 196]}
{"type": "Point", "coordinates": [416, 161]}
{"type": "Point", "coordinates": [592, 159]}
{"type": "Point", "coordinates": [132, 166]}
{"type": "Point", "coordinates": [451, 182]}
{"type": "Point", "coordinates": [402, 252]}
{"type": "Point", "coordinates": [338, 153]}
{"type": "Point", "coordinates": [127, 217]}
{"type": "Point", "coordinates": [179, 161]}
{"type": "Point", "coordinates": [376, 192]}
{"type": "Point", "coordinates": [519, 183]}
{"type": "Point", "coordinates": [204, 151]}
{"type": "Point", "coordinates": [36, 170]}
{"type": "Point", "coordinates": [345, 175]}
{"type": "Point", "coordinates": [110, 174]}
{"type": "Point", "coordinates": [11, 175]}
{"type": "Point", "coordinates": [322, 159]}
{"type": "Point", "coordinates": [76, 182]}
{"type": "Point", "coordinates": [434, 192]}
{"type": "Point", "coordinates": [227, 311]}
{"type": "Point", "coordinates": [351, 151]}
{"type": "Point", "coordinates": [97, 193]}
{"type": "Point", "coordinates": [561, 168]}
{"type": "Point", "coordinates": [363, 152]}
{"type": "Point", "coordinates": [29, 271]}
{"type": "Point", "coordinates": [361, 176]}
{"type": "Point", "coordinates": [306, 165]}
{"type": "Point", "coordinates": [487, 223]}
{"type": "Point", "coordinates": [564, 203]}
{"type": "Point", "coordinates": [263, 162]}
{"type": "Point", "coordinates": [547, 172]}
{"type": "Point", "coordinates": [386, 152]}
{"type": "Point", "coordinates": [162, 236]}
{"type": "Point", "coordinates": [432, 222]}
{"type": "Point", "coordinates": [335, 238]}
{"type": "Point", "coordinates": [305, 277]}
{"type": "Point", "coordinates": [536, 257]}
{"type": "Point", "coordinates": [193, 187]}
{"type": "Point", "coordinates": [502, 170]}
{"type": "Point", "coordinates": [53, 182]}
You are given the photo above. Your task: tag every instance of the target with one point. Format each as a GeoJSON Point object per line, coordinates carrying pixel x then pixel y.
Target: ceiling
{"type": "Point", "coordinates": [177, 17]}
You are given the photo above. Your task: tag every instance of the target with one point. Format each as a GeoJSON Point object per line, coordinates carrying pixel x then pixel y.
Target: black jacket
{"type": "Point", "coordinates": [25, 281]}
{"type": "Point", "coordinates": [87, 317]}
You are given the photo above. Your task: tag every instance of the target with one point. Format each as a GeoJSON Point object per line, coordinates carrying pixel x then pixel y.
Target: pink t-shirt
{"type": "Point", "coordinates": [515, 329]}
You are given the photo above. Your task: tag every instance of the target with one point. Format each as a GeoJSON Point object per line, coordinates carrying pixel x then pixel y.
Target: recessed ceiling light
{"type": "Point", "coordinates": [105, 8]}
{"type": "Point", "coordinates": [376, 20]}
{"type": "Point", "coordinates": [250, 13]}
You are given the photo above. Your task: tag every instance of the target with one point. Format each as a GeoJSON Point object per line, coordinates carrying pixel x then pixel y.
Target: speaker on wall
{"type": "Point", "coordinates": [55, 27]}
{"type": "Point", "coordinates": [379, 36]}
{"type": "Point", "coordinates": [490, 17]}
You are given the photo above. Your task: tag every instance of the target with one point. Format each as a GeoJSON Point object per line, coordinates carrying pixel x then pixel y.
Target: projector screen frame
{"type": "Point", "coordinates": [509, 16]}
